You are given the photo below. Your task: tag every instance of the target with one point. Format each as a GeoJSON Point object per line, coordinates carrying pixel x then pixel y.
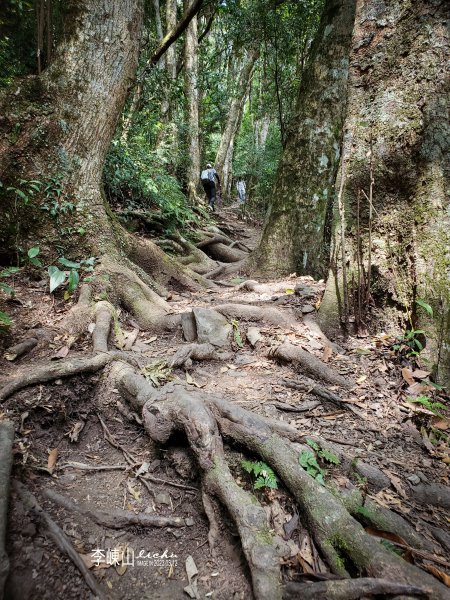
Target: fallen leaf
{"type": "Point", "coordinates": [192, 572]}
{"type": "Point", "coordinates": [223, 369]}
{"type": "Point", "coordinates": [446, 459]}
{"type": "Point", "coordinates": [419, 374]}
{"type": "Point", "coordinates": [152, 339]}
{"type": "Point", "coordinates": [121, 569]}
{"type": "Point", "coordinates": [91, 327]}
{"type": "Point", "coordinates": [327, 353]}
{"type": "Point", "coordinates": [305, 555]}
{"type": "Point", "coordinates": [134, 492]}
{"type": "Point", "coordinates": [361, 379]}
{"type": "Point", "coordinates": [52, 458]}
{"type": "Point", "coordinates": [442, 424]}
{"type": "Point", "coordinates": [396, 483]}
{"type": "Point", "coordinates": [408, 376]}
{"type": "Point", "coordinates": [75, 431]}
{"type": "Point", "coordinates": [130, 338]}
{"type": "Point", "coordinates": [62, 353]}
{"type": "Point", "coordinates": [143, 469]}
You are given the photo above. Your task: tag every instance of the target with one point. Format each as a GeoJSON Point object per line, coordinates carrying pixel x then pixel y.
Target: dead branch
{"type": "Point", "coordinates": [59, 537]}
{"type": "Point", "coordinates": [6, 443]}
{"type": "Point", "coordinates": [249, 312]}
{"type": "Point", "coordinates": [309, 386]}
{"type": "Point", "coordinates": [114, 519]}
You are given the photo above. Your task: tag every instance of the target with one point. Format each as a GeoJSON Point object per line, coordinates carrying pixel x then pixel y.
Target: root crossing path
{"type": "Point", "coordinates": [238, 453]}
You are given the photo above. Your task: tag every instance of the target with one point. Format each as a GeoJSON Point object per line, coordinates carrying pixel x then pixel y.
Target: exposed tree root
{"type": "Point", "coordinates": [350, 589]}
{"type": "Point", "coordinates": [145, 254]}
{"type": "Point", "coordinates": [196, 259]}
{"type": "Point", "coordinates": [104, 312]}
{"type": "Point", "coordinates": [54, 370]}
{"type": "Point", "coordinates": [309, 363]}
{"type": "Point", "coordinates": [213, 532]}
{"type": "Point", "coordinates": [150, 310]}
{"type": "Point", "coordinates": [198, 352]}
{"type": "Point", "coordinates": [21, 348]}
{"type": "Point", "coordinates": [114, 519]}
{"type": "Point", "coordinates": [219, 251]}
{"type": "Point", "coordinates": [365, 510]}
{"type": "Point", "coordinates": [6, 442]}
{"type": "Point", "coordinates": [178, 410]}
{"type": "Point", "coordinates": [340, 537]}
{"type": "Point", "coordinates": [59, 537]}
{"type": "Point", "coordinates": [249, 312]}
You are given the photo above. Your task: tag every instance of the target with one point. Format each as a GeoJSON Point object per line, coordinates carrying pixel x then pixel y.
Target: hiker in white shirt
{"type": "Point", "coordinates": [240, 186]}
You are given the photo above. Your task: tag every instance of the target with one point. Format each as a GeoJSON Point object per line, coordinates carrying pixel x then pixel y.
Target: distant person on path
{"type": "Point", "coordinates": [208, 177]}
{"type": "Point", "coordinates": [240, 186]}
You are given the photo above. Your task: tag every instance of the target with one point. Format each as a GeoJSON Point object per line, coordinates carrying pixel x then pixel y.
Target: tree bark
{"type": "Point", "coordinates": [171, 56]}
{"type": "Point", "coordinates": [297, 232]}
{"type": "Point", "coordinates": [225, 153]}
{"type": "Point", "coordinates": [191, 92]}
{"type": "Point", "coordinates": [398, 121]}
{"type": "Point", "coordinates": [67, 119]}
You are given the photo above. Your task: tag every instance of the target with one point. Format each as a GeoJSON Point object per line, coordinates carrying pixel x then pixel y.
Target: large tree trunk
{"type": "Point", "coordinates": [225, 153]}
{"type": "Point", "coordinates": [67, 118]}
{"type": "Point", "coordinates": [297, 233]}
{"type": "Point", "coordinates": [171, 56]}
{"type": "Point", "coordinates": [398, 120]}
{"type": "Point", "coordinates": [191, 93]}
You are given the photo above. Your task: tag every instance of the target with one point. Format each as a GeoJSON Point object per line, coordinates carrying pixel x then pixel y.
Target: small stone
{"type": "Point", "coordinates": [414, 479]}
{"type": "Point", "coordinates": [163, 498]}
{"type": "Point", "coordinates": [212, 327]}
{"type": "Point", "coordinates": [176, 533]}
{"type": "Point", "coordinates": [189, 521]}
{"type": "Point", "coordinates": [307, 308]}
{"type": "Point", "coordinates": [378, 443]}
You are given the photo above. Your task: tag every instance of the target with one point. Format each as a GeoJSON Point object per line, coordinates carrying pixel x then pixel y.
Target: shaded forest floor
{"type": "Point", "coordinates": [67, 432]}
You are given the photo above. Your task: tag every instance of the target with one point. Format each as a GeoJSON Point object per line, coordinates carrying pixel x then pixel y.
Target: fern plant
{"type": "Point", "coordinates": [263, 474]}
{"type": "Point", "coordinates": [429, 404]}
{"type": "Point", "coordinates": [323, 452]}
{"type": "Point", "coordinates": [308, 461]}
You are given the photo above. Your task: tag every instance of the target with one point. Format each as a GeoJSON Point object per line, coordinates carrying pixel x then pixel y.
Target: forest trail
{"type": "Point", "coordinates": [78, 438]}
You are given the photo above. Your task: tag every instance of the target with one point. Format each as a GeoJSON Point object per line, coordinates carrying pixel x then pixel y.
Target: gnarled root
{"type": "Point", "coordinates": [198, 352]}
{"type": "Point", "coordinates": [310, 364]}
{"type": "Point", "coordinates": [175, 409]}
{"type": "Point", "coordinates": [340, 537]}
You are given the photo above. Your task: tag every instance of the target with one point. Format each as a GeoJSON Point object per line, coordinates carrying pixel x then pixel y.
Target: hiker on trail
{"type": "Point", "coordinates": [240, 186]}
{"type": "Point", "coordinates": [208, 177]}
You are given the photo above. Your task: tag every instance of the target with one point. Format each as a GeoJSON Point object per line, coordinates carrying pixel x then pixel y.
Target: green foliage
{"type": "Point", "coordinates": [429, 404]}
{"type": "Point", "coordinates": [70, 278]}
{"type": "Point", "coordinates": [427, 308]}
{"type": "Point", "coordinates": [410, 342]}
{"type": "Point", "coordinates": [323, 452]}
{"type": "Point", "coordinates": [32, 256]}
{"type": "Point", "coordinates": [136, 179]}
{"type": "Point", "coordinates": [237, 334]}
{"type": "Point", "coordinates": [25, 190]}
{"type": "Point", "coordinates": [263, 474]}
{"type": "Point", "coordinates": [308, 461]}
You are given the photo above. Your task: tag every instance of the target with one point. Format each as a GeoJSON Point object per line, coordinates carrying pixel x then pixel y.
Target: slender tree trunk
{"type": "Point", "coordinates": [297, 233]}
{"type": "Point", "coordinates": [171, 54]}
{"type": "Point", "coordinates": [234, 115]}
{"type": "Point", "coordinates": [398, 118]}
{"type": "Point", "coordinates": [76, 104]}
{"type": "Point", "coordinates": [191, 93]}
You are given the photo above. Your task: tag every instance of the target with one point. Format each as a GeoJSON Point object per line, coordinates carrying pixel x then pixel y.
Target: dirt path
{"type": "Point", "coordinates": [67, 431]}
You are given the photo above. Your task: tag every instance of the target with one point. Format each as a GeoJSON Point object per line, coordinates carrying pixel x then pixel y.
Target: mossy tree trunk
{"type": "Point", "coordinates": [57, 128]}
{"type": "Point", "coordinates": [398, 120]}
{"type": "Point", "coordinates": [297, 232]}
